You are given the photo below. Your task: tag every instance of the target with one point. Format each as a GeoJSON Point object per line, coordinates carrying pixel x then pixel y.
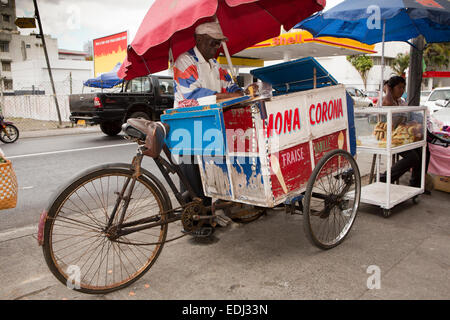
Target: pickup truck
{"type": "Point", "coordinates": [145, 97]}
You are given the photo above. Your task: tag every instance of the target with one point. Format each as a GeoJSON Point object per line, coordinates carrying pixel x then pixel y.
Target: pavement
{"type": "Point", "coordinates": [405, 256]}
{"type": "Point", "coordinates": [58, 132]}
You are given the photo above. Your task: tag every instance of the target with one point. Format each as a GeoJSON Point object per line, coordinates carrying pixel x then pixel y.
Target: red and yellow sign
{"type": "Point", "coordinates": [108, 51]}
{"type": "Point", "coordinates": [304, 36]}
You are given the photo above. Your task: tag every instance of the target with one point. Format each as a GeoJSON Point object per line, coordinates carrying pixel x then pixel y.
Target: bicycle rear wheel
{"type": "Point", "coordinates": [77, 246]}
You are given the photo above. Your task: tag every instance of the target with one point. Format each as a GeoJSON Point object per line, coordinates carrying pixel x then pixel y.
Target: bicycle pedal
{"type": "Point", "coordinates": [222, 219]}
{"type": "Point", "coordinates": [200, 233]}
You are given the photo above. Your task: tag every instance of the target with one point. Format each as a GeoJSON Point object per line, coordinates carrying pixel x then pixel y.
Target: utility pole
{"type": "Point", "coordinates": [415, 71]}
{"type": "Point", "coordinates": [38, 17]}
{"type": "Point", "coordinates": [70, 81]}
{"type": "Point", "coordinates": [1, 93]}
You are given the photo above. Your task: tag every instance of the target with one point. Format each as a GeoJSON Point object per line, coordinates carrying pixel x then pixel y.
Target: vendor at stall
{"type": "Point", "coordinates": [197, 73]}
{"type": "Point", "coordinates": [412, 159]}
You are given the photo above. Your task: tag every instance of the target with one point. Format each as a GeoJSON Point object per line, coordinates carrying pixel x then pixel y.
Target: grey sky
{"type": "Point", "coordinates": [74, 23]}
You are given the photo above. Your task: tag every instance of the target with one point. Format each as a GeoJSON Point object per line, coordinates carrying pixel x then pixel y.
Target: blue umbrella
{"type": "Point", "coordinates": [363, 20]}
{"type": "Point", "coordinates": [105, 80]}
{"type": "Point", "coordinates": [373, 21]}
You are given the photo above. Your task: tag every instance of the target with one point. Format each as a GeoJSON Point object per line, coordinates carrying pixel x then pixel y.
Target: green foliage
{"type": "Point", "coordinates": [401, 63]}
{"type": "Point", "coordinates": [363, 64]}
{"type": "Point", "coordinates": [437, 56]}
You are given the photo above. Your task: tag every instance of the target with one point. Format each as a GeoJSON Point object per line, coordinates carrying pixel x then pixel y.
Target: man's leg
{"type": "Point", "coordinates": [410, 159]}
{"type": "Point", "coordinates": [192, 174]}
{"type": "Point", "coordinates": [416, 173]}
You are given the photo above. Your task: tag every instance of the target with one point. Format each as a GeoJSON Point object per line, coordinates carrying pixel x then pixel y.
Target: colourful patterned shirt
{"type": "Point", "coordinates": [189, 86]}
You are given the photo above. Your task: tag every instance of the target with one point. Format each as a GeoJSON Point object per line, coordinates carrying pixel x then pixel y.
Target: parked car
{"type": "Point", "coordinates": [437, 99]}
{"type": "Point", "coordinates": [374, 96]}
{"type": "Point", "coordinates": [359, 98]}
{"type": "Point", "coordinates": [145, 97]}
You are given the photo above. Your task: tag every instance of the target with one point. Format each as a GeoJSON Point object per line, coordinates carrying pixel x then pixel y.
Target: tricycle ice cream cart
{"type": "Point", "coordinates": [292, 149]}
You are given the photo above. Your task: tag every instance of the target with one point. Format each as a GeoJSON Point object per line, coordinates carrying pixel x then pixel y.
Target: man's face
{"type": "Point", "coordinates": [207, 45]}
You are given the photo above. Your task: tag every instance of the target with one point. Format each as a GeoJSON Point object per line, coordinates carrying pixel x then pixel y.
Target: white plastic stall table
{"type": "Point", "coordinates": [387, 195]}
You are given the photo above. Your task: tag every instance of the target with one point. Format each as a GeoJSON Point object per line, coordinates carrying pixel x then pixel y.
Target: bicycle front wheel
{"type": "Point", "coordinates": [77, 244]}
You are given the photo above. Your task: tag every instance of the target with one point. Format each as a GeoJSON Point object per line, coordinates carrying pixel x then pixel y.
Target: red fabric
{"type": "Point", "coordinates": [173, 22]}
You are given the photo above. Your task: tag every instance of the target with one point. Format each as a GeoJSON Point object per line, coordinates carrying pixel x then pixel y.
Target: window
{"type": "Point", "coordinates": [136, 85]}
{"type": "Point", "coordinates": [165, 86]}
{"type": "Point", "coordinates": [6, 17]}
{"type": "Point", "coordinates": [6, 66]}
{"type": "Point", "coordinates": [351, 91]}
{"type": "Point", "coordinates": [387, 61]}
{"type": "Point", "coordinates": [4, 46]}
{"type": "Point", "coordinates": [146, 85]}
{"type": "Point", "coordinates": [8, 84]}
{"type": "Point", "coordinates": [28, 46]}
{"type": "Point", "coordinates": [440, 95]}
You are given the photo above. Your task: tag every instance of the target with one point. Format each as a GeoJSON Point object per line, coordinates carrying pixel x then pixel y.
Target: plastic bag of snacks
{"type": "Point", "coordinates": [8, 184]}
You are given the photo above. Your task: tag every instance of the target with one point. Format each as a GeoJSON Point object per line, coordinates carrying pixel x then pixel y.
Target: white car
{"type": "Point", "coordinates": [437, 99]}
{"type": "Point", "coordinates": [360, 99]}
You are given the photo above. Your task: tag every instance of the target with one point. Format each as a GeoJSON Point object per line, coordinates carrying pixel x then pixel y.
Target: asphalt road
{"type": "Point", "coordinates": [44, 164]}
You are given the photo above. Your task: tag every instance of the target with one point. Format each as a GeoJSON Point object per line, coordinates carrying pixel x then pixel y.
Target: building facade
{"type": "Point", "coordinates": [23, 65]}
{"type": "Point", "coordinates": [7, 30]}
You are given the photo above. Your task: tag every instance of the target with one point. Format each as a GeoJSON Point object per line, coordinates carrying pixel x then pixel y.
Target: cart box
{"type": "Point", "coordinates": [261, 151]}
{"type": "Point", "coordinates": [441, 183]}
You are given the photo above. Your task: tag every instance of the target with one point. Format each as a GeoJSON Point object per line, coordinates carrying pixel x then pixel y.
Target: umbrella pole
{"type": "Point", "coordinates": [227, 55]}
{"type": "Point", "coordinates": [382, 64]}
{"type": "Point", "coordinates": [230, 63]}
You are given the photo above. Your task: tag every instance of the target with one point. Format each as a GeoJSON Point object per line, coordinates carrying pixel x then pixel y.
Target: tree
{"type": "Point", "coordinates": [401, 63]}
{"type": "Point", "coordinates": [437, 56]}
{"type": "Point", "coordinates": [363, 64]}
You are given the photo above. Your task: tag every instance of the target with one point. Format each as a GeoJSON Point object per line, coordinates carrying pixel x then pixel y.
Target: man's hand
{"type": "Point", "coordinates": [252, 90]}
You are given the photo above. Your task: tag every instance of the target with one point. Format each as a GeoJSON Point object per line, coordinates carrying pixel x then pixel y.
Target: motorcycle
{"type": "Point", "coordinates": [8, 131]}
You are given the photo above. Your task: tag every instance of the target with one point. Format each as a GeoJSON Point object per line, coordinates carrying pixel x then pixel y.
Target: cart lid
{"type": "Point", "coordinates": [297, 75]}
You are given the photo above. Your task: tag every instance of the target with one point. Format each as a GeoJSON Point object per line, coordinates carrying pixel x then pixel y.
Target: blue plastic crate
{"type": "Point", "coordinates": [198, 130]}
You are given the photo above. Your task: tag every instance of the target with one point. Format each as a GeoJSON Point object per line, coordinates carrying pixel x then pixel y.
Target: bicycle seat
{"type": "Point", "coordinates": [151, 132]}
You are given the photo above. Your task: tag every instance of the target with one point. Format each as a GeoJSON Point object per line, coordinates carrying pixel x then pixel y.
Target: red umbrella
{"type": "Point", "coordinates": [171, 24]}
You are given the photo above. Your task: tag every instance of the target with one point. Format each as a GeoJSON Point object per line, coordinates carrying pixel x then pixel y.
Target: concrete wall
{"type": "Point", "coordinates": [36, 107]}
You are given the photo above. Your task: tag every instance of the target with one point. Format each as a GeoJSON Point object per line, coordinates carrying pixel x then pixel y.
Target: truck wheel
{"type": "Point", "coordinates": [140, 114]}
{"type": "Point", "coordinates": [111, 128]}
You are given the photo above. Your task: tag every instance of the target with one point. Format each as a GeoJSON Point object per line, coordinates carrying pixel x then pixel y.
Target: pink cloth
{"type": "Point", "coordinates": [439, 160]}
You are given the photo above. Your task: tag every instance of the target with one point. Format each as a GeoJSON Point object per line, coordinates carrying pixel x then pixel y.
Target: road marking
{"type": "Point", "coordinates": [71, 150]}
{"type": "Point", "coordinates": [15, 233]}
{"type": "Point", "coordinates": [25, 188]}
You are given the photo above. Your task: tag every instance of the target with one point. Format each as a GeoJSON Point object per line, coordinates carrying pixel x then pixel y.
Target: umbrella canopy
{"type": "Point", "coordinates": [171, 25]}
{"type": "Point", "coordinates": [105, 80]}
{"type": "Point", "coordinates": [373, 21]}
{"type": "Point", "coordinates": [405, 19]}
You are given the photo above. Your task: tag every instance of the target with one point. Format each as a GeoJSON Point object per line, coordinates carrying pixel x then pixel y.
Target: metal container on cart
{"type": "Point", "coordinates": [262, 151]}
{"type": "Point", "coordinates": [388, 131]}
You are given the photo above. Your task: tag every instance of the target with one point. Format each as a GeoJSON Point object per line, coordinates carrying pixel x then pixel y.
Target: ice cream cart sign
{"type": "Point", "coordinates": [290, 169]}
{"type": "Point", "coordinates": [292, 118]}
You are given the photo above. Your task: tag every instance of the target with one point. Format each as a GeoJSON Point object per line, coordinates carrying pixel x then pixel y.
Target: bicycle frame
{"type": "Point", "coordinates": [166, 168]}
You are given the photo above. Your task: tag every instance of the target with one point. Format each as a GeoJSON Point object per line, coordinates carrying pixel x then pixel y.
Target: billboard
{"type": "Point", "coordinates": [108, 51]}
